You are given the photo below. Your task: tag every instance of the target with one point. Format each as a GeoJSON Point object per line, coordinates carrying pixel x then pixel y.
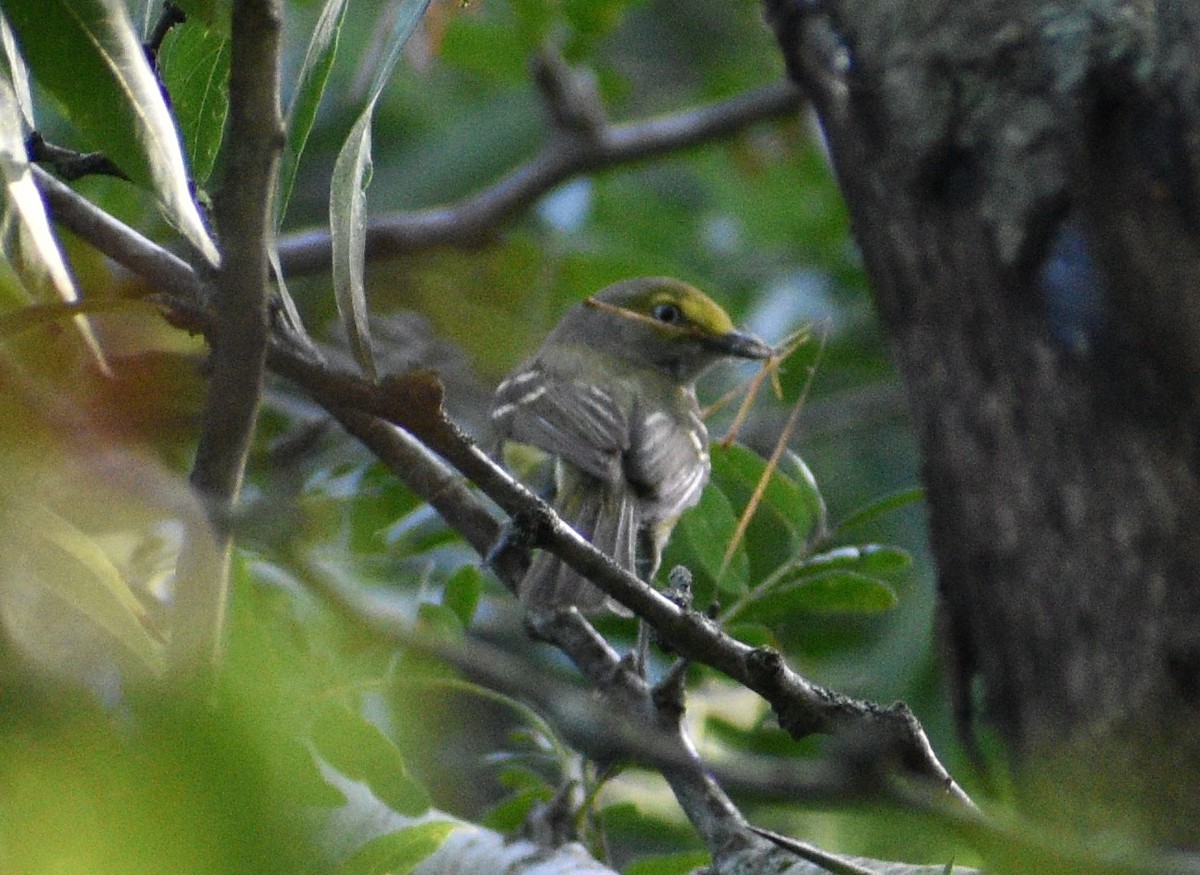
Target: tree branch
{"type": "Point", "coordinates": [239, 335]}
{"type": "Point", "coordinates": [413, 404]}
{"type": "Point", "coordinates": [68, 163]}
{"type": "Point", "coordinates": [572, 149]}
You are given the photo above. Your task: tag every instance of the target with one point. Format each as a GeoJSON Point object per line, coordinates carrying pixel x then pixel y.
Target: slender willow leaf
{"type": "Point", "coordinates": [65, 561]}
{"type": "Point", "coordinates": [87, 54]}
{"type": "Point", "coordinates": [17, 73]}
{"type": "Point", "coordinates": [347, 202]}
{"type": "Point", "coordinates": [39, 260]}
{"type": "Point", "coordinates": [314, 73]}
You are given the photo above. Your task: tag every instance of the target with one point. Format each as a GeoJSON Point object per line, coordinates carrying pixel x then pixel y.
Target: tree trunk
{"type": "Point", "coordinates": [1022, 181]}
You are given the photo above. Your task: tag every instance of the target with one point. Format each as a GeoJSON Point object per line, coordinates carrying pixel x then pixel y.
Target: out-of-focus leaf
{"type": "Point", "coordinates": [195, 66]}
{"type": "Point", "coordinates": [67, 562]}
{"type": "Point", "coordinates": [461, 594]}
{"type": "Point", "coordinates": [522, 778]}
{"type": "Point", "coordinates": [438, 619]}
{"type": "Point", "coordinates": [754, 634]}
{"type": "Point", "coordinates": [764, 739]}
{"type": "Point", "coordinates": [17, 73]}
{"type": "Point", "coordinates": [491, 49]}
{"type": "Point", "coordinates": [669, 864]}
{"type": "Point", "coordinates": [507, 815]}
{"type": "Point", "coordinates": [377, 504]}
{"type": "Point", "coordinates": [398, 853]}
{"type": "Point", "coordinates": [39, 258]}
{"type": "Point", "coordinates": [534, 20]}
{"type": "Point", "coordinates": [348, 199]}
{"type": "Point", "coordinates": [87, 54]}
{"type": "Point", "coordinates": [314, 73]}
{"type": "Point", "coordinates": [355, 747]}
{"type": "Point", "coordinates": [882, 507]}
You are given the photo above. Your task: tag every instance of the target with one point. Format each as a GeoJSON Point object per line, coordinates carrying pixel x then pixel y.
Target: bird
{"type": "Point", "coordinates": [610, 396]}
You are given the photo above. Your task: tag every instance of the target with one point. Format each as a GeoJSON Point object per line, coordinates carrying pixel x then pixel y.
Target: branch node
{"type": "Point", "coordinates": [552, 824]}
{"type": "Point", "coordinates": [571, 96]}
{"type": "Point", "coordinates": [764, 664]}
{"type": "Point", "coordinates": [170, 16]}
{"type": "Point", "coordinates": [668, 694]}
{"type": "Point", "coordinates": [69, 164]}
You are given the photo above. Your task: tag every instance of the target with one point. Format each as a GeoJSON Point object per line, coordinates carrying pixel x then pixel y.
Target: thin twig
{"type": "Point", "coordinates": [68, 163]}
{"type": "Point", "coordinates": [170, 16]}
{"type": "Point", "coordinates": [567, 153]}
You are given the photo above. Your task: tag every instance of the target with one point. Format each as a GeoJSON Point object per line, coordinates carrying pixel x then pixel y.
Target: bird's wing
{"type": "Point", "coordinates": [580, 423]}
{"type": "Point", "coordinates": [668, 462]}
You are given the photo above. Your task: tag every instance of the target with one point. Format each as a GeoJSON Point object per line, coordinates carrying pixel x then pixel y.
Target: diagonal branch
{"type": "Point", "coordinates": [573, 148]}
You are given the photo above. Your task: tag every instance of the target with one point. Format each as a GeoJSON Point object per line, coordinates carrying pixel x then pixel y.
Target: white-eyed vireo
{"type": "Point", "coordinates": [610, 394]}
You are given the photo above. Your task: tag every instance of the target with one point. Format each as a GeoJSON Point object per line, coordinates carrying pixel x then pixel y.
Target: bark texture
{"type": "Point", "coordinates": [1022, 178]}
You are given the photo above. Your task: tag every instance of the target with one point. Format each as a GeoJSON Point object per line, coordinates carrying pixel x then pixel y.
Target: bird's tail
{"type": "Point", "coordinates": [604, 515]}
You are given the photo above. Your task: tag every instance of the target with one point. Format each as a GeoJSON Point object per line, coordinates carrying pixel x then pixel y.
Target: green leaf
{"type": "Point", "coordinates": [699, 542]}
{"type": "Point", "coordinates": [811, 503]}
{"type": "Point", "coordinates": [883, 506]}
{"type": "Point", "coordinates": [837, 591]}
{"type": "Point", "coordinates": [314, 73]}
{"type": "Point", "coordinates": [355, 747]}
{"type": "Point", "coordinates": [195, 66]}
{"type": "Point", "coordinates": [348, 200]}
{"type": "Point", "coordinates": [870, 559]}
{"type": "Point", "coordinates": [86, 53]}
{"type": "Point", "coordinates": [787, 516]}
{"type": "Point", "coordinates": [398, 853]}
{"type": "Point", "coordinates": [791, 493]}
{"type": "Point", "coordinates": [462, 591]}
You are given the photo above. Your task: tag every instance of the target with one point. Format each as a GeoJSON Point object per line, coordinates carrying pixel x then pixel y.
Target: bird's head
{"type": "Point", "coordinates": [666, 324]}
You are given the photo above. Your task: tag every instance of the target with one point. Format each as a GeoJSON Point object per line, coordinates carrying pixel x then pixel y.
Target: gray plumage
{"type": "Point", "coordinates": [610, 394]}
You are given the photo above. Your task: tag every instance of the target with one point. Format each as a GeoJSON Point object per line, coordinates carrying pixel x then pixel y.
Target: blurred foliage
{"type": "Point", "coordinates": [108, 767]}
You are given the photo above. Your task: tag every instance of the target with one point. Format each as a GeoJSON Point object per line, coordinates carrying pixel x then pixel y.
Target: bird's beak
{"type": "Point", "coordinates": [743, 346]}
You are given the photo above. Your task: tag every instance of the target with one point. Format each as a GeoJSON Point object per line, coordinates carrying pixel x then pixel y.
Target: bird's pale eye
{"type": "Point", "coordinates": [668, 313]}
